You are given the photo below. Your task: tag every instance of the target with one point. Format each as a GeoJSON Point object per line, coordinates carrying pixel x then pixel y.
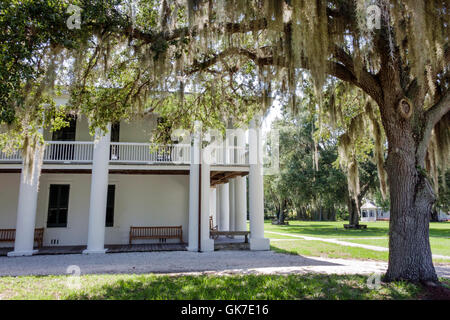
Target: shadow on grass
{"type": "Point", "coordinates": [270, 287]}
{"type": "Point", "coordinates": [337, 230]}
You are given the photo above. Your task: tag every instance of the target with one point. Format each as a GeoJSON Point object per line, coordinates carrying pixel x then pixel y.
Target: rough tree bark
{"type": "Point", "coordinates": [353, 211]}
{"type": "Point", "coordinates": [412, 198]}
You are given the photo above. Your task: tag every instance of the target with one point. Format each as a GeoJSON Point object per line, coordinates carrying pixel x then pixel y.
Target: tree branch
{"type": "Point", "coordinates": [432, 117]}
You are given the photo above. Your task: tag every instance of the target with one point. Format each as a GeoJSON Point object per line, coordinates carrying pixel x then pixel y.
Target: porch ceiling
{"type": "Point", "coordinates": [220, 177]}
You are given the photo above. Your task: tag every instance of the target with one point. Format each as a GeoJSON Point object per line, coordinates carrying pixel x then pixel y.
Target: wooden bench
{"type": "Point", "coordinates": [138, 233]}
{"type": "Point", "coordinates": [9, 235]}
{"type": "Point", "coordinates": [215, 234]}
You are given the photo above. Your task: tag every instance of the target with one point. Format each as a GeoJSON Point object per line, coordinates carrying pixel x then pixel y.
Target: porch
{"type": "Point", "coordinates": [112, 248]}
{"type": "Point", "coordinates": [130, 184]}
{"type": "Point", "coordinates": [222, 243]}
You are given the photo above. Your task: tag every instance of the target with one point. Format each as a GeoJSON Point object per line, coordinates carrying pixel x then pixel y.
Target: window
{"type": "Point", "coordinates": [115, 132]}
{"type": "Point", "coordinates": [110, 206]}
{"type": "Point", "coordinates": [64, 152]}
{"type": "Point", "coordinates": [58, 206]}
{"type": "Point", "coordinates": [115, 137]}
{"type": "Point", "coordinates": [67, 133]}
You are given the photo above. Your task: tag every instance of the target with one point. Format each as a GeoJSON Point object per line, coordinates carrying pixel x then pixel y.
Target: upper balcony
{"type": "Point", "coordinates": [72, 147]}
{"type": "Point", "coordinates": [126, 153]}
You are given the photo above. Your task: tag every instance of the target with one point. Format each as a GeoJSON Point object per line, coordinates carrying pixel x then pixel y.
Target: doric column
{"type": "Point", "coordinates": [240, 188]}
{"type": "Point", "coordinates": [212, 204]}
{"type": "Point", "coordinates": [27, 204]}
{"type": "Point", "coordinates": [240, 185]}
{"type": "Point", "coordinates": [232, 206]}
{"type": "Point", "coordinates": [99, 192]}
{"type": "Point", "coordinates": [224, 214]}
{"type": "Point", "coordinates": [256, 190]}
{"type": "Point", "coordinates": [194, 181]}
{"type": "Point", "coordinates": [218, 221]}
{"type": "Point", "coordinates": [224, 192]}
{"type": "Point", "coordinates": [206, 243]}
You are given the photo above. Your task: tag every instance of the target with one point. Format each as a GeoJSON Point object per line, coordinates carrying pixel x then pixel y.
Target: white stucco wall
{"type": "Point", "coordinates": [140, 200]}
{"type": "Point", "coordinates": [139, 129]}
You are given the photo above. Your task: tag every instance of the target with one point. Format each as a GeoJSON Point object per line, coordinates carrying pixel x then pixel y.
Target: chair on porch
{"type": "Point", "coordinates": [212, 227]}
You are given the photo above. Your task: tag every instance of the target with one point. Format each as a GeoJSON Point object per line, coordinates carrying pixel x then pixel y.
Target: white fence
{"type": "Point", "coordinates": [125, 152]}
{"type": "Point", "coordinates": [146, 153]}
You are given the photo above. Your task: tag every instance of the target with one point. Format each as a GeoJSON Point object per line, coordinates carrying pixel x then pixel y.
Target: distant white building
{"type": "Point", "coordinates": [443, 216]}
{"type": "Point", "coordinates": [370, 212]}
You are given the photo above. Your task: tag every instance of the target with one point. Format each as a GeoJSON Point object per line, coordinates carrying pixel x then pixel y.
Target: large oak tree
{"type": "Point", "coordinates": [399, 57]}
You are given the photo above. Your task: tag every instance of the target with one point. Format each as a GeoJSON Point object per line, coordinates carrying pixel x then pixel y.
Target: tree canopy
{"type": "Point", "coordinates": [228, 55]}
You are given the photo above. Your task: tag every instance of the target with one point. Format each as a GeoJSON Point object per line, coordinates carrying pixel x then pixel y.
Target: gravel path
{"type": "Point", "coordinates": [182, 262]}
{"type": "Point", "coordinates": [346, 243]}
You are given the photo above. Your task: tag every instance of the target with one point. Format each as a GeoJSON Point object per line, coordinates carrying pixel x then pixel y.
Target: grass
{"type": "Point", "coordinates": [335, 229]}
{"type": "Point", "coordinates": [326, 250]}
{"type": "Point", "coordinates": [439, 239]}
{"type": "Point", "coordinates": [243, 287]}
{"type": "Point", "coordinates": [246, 287]}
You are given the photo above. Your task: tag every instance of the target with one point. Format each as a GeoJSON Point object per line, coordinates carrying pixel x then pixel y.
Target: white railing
{"type": "Point", "coordinates": [126, 152]}
{"type": "Point", "coordinates": [230, 156]}
{"type": "Point", "coordinates": [73, 151]}
{"type": "Point", "coordinates": [15, 156]}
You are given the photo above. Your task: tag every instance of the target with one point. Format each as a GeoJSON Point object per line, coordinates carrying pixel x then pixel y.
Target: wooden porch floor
{"type": "Point", "coordinates": [113, 248]}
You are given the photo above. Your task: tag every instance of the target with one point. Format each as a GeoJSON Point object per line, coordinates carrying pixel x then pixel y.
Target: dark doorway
{"type": "Point", "coordinates": [115, 137]}
{"type": "Point", "coordinates": [68, 133]}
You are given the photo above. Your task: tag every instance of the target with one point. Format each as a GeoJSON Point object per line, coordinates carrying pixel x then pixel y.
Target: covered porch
{"type": "Point", "coordinates": [112, 248]}
{"type": "Point", "coordinates": [174, 200]}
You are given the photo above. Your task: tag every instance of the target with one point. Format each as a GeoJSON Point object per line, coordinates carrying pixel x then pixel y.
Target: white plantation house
{"type": "Point", "coordinates": [95, 192]}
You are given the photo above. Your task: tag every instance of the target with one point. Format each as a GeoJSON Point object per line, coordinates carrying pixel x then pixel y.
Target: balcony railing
{"type": "Point", "coordinates": [124, 152]}
{"type": "Point", "coordinates": [72, 152]}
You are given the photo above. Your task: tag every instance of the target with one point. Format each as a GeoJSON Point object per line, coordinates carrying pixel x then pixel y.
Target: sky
{"type": "Point", "coordinates": [274, 112]}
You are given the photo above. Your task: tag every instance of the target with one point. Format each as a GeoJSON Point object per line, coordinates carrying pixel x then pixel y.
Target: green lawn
{"type": "Point", "coordinates": [376, 234]}
{"type": "Point", "coordinates": [335, 229]}
{"type": "Point", "coordinates": [203, 287]}
{"type": "Point", "coordinates": [326, 250]}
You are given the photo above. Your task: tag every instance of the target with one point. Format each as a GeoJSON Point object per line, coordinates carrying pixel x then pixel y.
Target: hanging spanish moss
{"type": "Point", "coordinates": [438, 153]}
{"type": "Point", "coordinates": [378, 147]}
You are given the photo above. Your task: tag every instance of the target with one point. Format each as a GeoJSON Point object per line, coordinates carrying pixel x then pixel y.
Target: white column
{"type": "Point", "coordinates": [206, 244]}
{"type": "Point", "coordinates": [26, 208]}
{"type": "Point", "coordinates": [256, 190]}
{"type": "Point", "coordinates": [218, 220]}
{"type": "Point", "coordinates": [194, 182]}
{"type": "Point", "coordinates": [240, 187]}
{"type": "Point", "coordinates": [232, 206]}
{"type": "Point", "coordinates": [99, 192]}
{"type": "Point", "coordinates": [212, 205]}
{"type": "Point", "coordinates": [224, 214]}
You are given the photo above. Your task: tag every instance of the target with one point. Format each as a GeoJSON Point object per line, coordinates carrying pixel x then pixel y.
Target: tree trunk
{"type": "Point", "coordinates": [353, 211]}
{"type": "Point", "coordinates": [434, 215]}
{"type": "Point", "coordinates": [411, 201]}
{"type": "Point", "coordinates": [282, 209]}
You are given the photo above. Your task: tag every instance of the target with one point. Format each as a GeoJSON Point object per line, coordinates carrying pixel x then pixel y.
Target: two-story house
{"type": "Point", "coordinates": [92, 190]}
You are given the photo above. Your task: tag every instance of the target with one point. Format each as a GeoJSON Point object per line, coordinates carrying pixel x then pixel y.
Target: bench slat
{"type": "Point", "coordinates": [169, 232]}
{"type": "Point", "coordinates": [9, 235]}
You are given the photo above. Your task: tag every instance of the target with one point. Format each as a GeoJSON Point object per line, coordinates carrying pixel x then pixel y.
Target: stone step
{"type": "Point", "coordinates": [232, 246]}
